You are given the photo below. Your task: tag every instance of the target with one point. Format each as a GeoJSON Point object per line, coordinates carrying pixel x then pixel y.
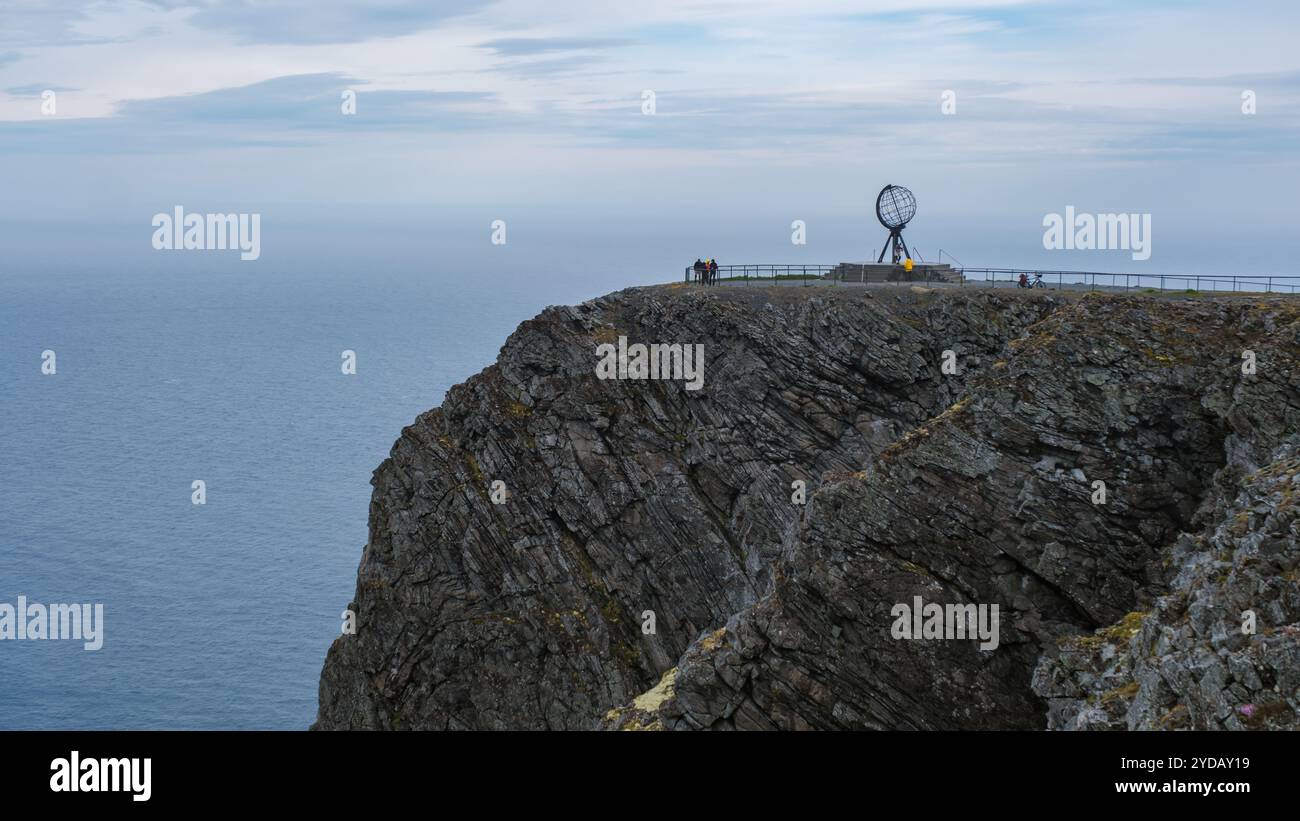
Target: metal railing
{"type": "Point", "coordinates": [1010, 277]}
{"type": "Point", "coordinates": [1106, 280]}
{"type": "Point", "coordinates": [777, 273]}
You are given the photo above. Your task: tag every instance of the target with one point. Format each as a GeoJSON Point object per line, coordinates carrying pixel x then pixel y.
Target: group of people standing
{"type": "Point", "coordinates": [706, 271]}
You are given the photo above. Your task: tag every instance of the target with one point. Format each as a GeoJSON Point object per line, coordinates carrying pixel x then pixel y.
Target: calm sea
{"type": "Point", "coordinates": [184, 366]}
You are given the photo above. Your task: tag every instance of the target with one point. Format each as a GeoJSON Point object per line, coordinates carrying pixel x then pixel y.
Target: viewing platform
{"type": "Point", "coordinates": [887, 272]}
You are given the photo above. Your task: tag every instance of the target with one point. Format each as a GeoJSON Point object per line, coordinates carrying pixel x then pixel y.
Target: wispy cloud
{"type": "Point", "coordinates": [35, 89]}
{"type": "Point", "coordinates": [284, 112]}
{"type": "Point", "coordinates": [530, 46]}
{"type": "Point", "coordinates": [315, 22]}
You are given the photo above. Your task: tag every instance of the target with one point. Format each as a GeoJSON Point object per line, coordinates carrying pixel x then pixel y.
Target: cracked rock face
{"type": "Point", "coordinates": [628, 497]}
{"type": "Point", "coordinates": [1221, 649]}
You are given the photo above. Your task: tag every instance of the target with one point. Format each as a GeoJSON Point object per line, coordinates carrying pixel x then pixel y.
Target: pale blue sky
{"type": "Point", "coordinates": [766, 112]}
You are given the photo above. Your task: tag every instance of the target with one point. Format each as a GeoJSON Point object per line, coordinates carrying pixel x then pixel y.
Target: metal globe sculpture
{"type": "Point", "coordinates": [895, 207]}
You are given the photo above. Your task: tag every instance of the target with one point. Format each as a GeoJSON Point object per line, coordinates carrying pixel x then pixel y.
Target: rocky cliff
{"type": "Point", "coordinates": [1115, 475]}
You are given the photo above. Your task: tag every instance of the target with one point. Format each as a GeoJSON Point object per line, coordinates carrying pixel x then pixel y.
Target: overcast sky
{"type": "Point", "coordinates": [764, 110]}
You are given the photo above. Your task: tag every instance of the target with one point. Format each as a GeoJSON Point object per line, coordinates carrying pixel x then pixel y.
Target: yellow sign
{"type": "Point", "coordinates": [907, 265]}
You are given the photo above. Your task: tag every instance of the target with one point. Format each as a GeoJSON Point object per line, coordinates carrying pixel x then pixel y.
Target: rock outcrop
{"type": "Point", "coordinates": [528, 604]}
{"type": "Point", "coordinates": [1221, 649]}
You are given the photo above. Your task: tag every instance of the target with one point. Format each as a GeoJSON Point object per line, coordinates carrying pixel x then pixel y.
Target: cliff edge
{"type": "Point", "coordinates": [1110, 478]}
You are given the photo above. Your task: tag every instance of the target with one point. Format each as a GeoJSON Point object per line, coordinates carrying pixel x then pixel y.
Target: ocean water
{"type": "Point", "coordinates": [183, 366]}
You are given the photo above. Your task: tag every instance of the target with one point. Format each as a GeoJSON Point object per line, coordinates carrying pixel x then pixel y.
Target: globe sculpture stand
{"type": "Point", "coordinates": [895, 207]}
